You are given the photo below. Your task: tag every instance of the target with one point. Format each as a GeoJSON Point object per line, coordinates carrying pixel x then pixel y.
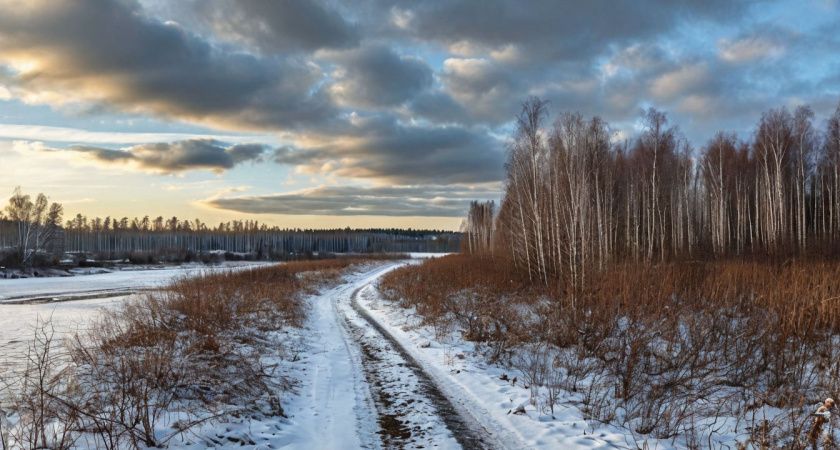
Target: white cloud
{"type": "Point", "coordinates": [680, 81]}
{"type": "Point", "coordinates": [402, 18]}
{"type": "Point", "coordinates": [466, 49]}
{"type": "Point", "coordinates": [509, 54]}
{"type": "Point", "coordinates": [747, 49]}
{"type": "Point", "coordinates": [27, 146]}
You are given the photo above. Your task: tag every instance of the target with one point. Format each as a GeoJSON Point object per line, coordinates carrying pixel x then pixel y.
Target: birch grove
{"type": "Point", "coordinates": [33, 226]}
{"type": "Point", "coordinates": [576, 200]}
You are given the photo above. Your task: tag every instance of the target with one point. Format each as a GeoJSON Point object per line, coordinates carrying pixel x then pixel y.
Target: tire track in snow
{"type": "Point", "coordinates": [410, 404]}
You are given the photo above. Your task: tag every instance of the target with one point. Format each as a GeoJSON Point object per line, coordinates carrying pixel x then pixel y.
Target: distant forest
{"type": "Point", "coordinates": [31, 233]}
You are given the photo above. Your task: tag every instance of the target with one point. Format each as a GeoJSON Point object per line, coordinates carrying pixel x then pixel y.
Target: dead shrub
{"type": "Point", "coordinates": [34, 398]}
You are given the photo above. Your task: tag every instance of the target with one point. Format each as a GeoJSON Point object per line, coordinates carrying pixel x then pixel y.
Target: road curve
{"type": "Point", "coordinates": [380, 353]}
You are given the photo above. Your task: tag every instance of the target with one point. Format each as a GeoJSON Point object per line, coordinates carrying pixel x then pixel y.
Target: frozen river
{"type": "Point", "coordinates": [17, 324]}
{"type": "Point", "coordinates": [23, 301]}
{"type": "Point", "coordinates": [120, 282]}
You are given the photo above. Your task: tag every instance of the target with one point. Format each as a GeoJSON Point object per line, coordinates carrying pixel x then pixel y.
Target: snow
{"type": "Point", "coordinates": [478, 388]}
{"type": "Point", "coordinates": [334, 397]}
{"type": "Point", "coordinates": [427, 255]}
{"type": "Point", "coordinates": [17, 325]}
{"type": "Point", "coordinates": [332, 403]}
{"type": "Point", "coordinates": [90, 293]}
{"type": "Point", "coordinates": [402, 398]}
{"type": "Point", "coordinates": [332, 408]}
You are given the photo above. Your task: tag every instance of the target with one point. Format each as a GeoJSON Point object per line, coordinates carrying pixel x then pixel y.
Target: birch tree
{"type": "Point", "coordinates": [35, 223]}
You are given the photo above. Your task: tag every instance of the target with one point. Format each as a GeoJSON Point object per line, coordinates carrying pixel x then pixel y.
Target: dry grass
{"type": "Point", "coordinates": [202, 348]}
{"type": "Point", "coordinates": [719, 336]}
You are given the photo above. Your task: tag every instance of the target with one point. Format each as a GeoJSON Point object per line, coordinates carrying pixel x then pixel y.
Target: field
{"type": "Point", "coordinates": [693, 354]}
{"type": "Point", "coordinates": [453, 352]}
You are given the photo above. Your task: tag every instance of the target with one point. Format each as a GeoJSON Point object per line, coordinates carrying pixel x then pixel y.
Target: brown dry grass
{"type": "Point", "coordinates": [755, 332]}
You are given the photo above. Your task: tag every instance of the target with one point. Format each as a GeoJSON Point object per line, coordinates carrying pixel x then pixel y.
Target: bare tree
{"type": "Point", "coordinates": [804, 145]}
{"type": "Point", "coordinates": [526, 158]}
{"type": "Point", "coordinates": [480, 227]}
{"type": "Point", "coordinates": [773, 142]}
{"type": "Point", "coordinates": [35, 223]}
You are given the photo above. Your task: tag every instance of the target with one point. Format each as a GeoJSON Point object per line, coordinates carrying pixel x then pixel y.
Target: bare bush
{"type": "Point", "coordinates": [533, 361]}
{"type": "Point", "coordinates": [674, 346]}
{"type": "Point", "coordinates": [34, 396]}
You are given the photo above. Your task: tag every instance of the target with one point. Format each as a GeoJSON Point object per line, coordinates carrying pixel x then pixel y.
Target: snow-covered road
{"type": "Point", "coordinates": [360, 390]}
{"type": "Point", "coordinates": [332, 407]}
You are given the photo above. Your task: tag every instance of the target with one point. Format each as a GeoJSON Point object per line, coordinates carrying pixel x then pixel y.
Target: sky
{"type": "Point", "coordinates": [366, 113]}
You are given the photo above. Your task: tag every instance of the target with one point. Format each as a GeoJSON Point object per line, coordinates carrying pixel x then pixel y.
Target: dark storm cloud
{"type": "Point", "coordinates": [100, 51]}
{"type": "Point", "coordinates": [277, 26]}
{"type": "Point", "coordinates": [179, 156]}
{"type": "Point", "coordinates": [406, 91]}
{"type": "Point", "coordinates": [382, 148]}
{"type": "Point", "coordinates": [439, 107]}
{"type": "Point", "coordinates": [428, 201]}
{"type": "Point", "coordinates": [376, 76]}
{"type": "Point", "coordinates": [548, 28]}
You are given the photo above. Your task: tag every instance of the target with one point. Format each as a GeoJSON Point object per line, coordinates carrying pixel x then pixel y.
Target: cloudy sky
{"type": "Point", "coordinates": [309, 113]}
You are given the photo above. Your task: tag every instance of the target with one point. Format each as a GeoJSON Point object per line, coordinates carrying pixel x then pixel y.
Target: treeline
{"type": "Point", "coordinates": [31, 234]}
{"type": "Point", "coordinates": [252, 238]}
{"type": "Point", "coordinates": [575, 200]}
{"type": "Point", "coordinates": [243, 236]}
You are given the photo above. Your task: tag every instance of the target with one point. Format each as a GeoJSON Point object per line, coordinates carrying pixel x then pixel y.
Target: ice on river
{"type": "Point", "coordinates": [121, 280]}
{"type": "Point", "coordinates": [18, 321]}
